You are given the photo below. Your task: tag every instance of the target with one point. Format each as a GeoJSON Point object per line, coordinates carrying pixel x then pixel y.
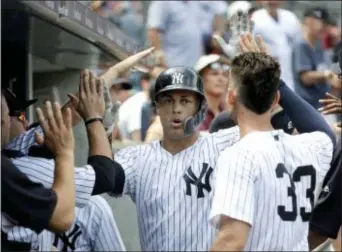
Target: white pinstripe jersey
{"type": "Point", "coordinates": [173, 193]}
{"type": "Point", "coordinates": [270, 180]}
{"type": "Point", "coordinates": [42, 170]}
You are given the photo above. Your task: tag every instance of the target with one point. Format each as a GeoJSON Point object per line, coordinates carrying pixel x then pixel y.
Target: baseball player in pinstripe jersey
{"type": "Point", "coordinates": [94, 227]}
{"type": "Point", "coordinates": [268, 180]}
{"type": "Point", "coordinates": [94, 218]}
{"type": "Point", "coordinates": [171, 181]}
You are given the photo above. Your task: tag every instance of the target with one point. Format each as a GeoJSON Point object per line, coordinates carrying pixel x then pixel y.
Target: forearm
{"type": "Point", "coordinates": [219, 24]}
{"type": "Point", "coordinates": [310, 78]}
{"type": "Point", "coordinates": [154, 37]}
{"type": "Point", "coordinates": [224, 243]}
{"type": "Point", "coordinates": [304, 117]}
{"type": "Point", "coordinates": [98, 140]}
{"type": "Point", "coordinates": [64, 186]}
{"type": "Point", "coordinates": [315, 240]}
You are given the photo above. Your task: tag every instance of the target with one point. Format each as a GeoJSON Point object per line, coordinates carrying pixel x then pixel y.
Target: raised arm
{"type": "Point", "coordinates": [304, 117]}
{"type": "Point", "coordinates": [90, 105]}
{"type": "Point", "coordinates": [58, 137]}
{"type": "Point", "coordinates": [24, 141]}
{"type": "Point", "coordinates": [111, 74]}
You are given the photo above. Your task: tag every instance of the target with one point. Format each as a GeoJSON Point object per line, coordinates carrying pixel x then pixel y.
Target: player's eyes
{"type": "Point", "coordinates": [185, 101]}
{"type": "Point", "coordinates": [167, 101]}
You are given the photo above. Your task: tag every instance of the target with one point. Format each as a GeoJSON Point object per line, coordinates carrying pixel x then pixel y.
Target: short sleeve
{"type": "Point", "coordinates": [24, 141]}
{"type": "Point", "coordinates": [134, 121]}
{"type": "Point", "coordinates": [296, 28]}
{"type": "Point", "coordinates": [27, 202]}
{"type": "Point", "coordinates": [225, 138]}
{"type": "Point", "coordinates": [156, 17]}
{"type": "Point", "coordinates": [41, 170]}
{"type": "Point", "coordinates": [328, 208]}
{"type": "Point", "coordinates": [321, 144]}
{"type": "Point", "coordinates": [220, 7]}
{"type": "Point", "coordinates": [326, 215]}
{"type": "Point", "coordinates": [301, 60]}
{"type": "Point", "coordinates": [128, 158]}
{"type": "Point", "coordinates": [235, 187]}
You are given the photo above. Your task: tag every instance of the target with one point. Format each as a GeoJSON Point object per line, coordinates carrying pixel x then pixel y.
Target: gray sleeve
{"type": "Point", "coordinates": [301, 60]}
{"type": "Point", "coordinates": [156, 17]}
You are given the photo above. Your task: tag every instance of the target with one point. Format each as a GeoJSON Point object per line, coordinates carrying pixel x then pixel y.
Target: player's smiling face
{"type": "Point", "coordinates": [174, 108]}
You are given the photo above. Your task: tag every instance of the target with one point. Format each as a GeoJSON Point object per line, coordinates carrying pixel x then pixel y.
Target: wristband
{"type": "Point", "coordinates": [89, 121]}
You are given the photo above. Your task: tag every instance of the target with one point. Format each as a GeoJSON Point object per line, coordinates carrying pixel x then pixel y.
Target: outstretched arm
{"type": "Point", "coordinates": [304, 117]}
{"type": "Point", "coordinates": [108, 77]}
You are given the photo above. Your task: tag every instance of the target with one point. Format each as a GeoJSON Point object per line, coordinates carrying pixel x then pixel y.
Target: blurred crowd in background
{"type": "Point", "coordinates": [304, 36]}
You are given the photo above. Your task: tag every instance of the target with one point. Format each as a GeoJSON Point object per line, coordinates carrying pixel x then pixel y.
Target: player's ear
{"type": "Point", "coordinates": [231, 96]}
{"type": "Point", "coordinates": [157, 106]}
{"type": "Point", "coordinates": [276, 100]}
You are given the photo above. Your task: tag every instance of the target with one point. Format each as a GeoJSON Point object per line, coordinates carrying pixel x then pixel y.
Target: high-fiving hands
{"type": "Point", "coordinates": [58, 134]}
{"type": "Point", "coordinates": [112, 107]}
{"type": "Point", "coordinates": [123, 66]}
{"type": "Point", "coordinates": [90, 102]}
{"type": "Point", "coordinates": [248, 44]}
{"type": "Point", "coordinates": [239, 24]}
{"type": "Point", "coordinates": [111, 110]}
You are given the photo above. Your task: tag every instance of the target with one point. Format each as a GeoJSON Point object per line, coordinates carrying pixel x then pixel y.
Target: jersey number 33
{"type": "Point", "coordinates": [298, 173]}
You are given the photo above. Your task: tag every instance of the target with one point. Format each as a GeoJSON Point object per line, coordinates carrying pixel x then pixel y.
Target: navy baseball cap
{"type": "Point", "coordinates": [16, 106]}
{"type": "Point", "coordinates": [319, 13]}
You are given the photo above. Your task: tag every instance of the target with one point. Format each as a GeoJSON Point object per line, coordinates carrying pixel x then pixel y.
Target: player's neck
{"type": "Point", "coordinates": [273, 12]}
{"type": "Point", "coordinates": [175, 146]}
{"type": "Point", "coordinates": [249, 122]}
{"type": "Point", "coordinates": [311, 39]}
{"type": "Point", "coordinates": [214, 103]}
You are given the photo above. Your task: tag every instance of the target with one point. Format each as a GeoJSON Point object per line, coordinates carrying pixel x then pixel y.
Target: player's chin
{"type": "Point", "coordinates": [176, 133]}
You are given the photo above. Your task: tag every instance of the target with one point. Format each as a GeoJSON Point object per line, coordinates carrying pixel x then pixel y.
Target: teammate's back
{"type": "Point", "coordinates": [277, 176]}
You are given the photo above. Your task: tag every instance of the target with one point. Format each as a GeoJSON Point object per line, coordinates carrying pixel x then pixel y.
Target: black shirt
{"type": "Point", "coordinates": [326, 216]}
{"type": "Point", "coordinates": [27, 202]}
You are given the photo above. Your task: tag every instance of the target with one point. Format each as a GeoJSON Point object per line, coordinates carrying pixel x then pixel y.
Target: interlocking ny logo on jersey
{"type": "Point", "coordinates": [191, 179]}
{"type": "Point", "coordinates": [68, 240]}
{"type": "Point", "coordinates": [177, 78]}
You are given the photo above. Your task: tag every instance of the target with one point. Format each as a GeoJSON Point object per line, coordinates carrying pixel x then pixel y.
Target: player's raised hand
{"type": "Point", "coordinates": [90, 102]}
{"type": "Point", "coordinates": [239, 24]}
{"type": "Point", "coordinates": [331, 105]}
{"type": "Point", "coordinates": [58, 134]}
{"type": "Point", "coordinates": [249, 44]}
{"type": "Point", "coordinates": [123, 66]}
{"type": "Point", "coordinates": [111, 109]}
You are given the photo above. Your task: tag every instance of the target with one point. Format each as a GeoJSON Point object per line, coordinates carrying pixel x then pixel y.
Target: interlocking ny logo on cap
{"type": "Point", "coordinates": [177, 79]}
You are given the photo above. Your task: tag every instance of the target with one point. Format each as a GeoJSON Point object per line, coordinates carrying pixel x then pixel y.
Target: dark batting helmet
{"type": "Point", "coordinates": [183, 78]}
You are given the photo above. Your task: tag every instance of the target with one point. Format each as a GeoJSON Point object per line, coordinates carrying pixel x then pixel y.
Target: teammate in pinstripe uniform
{"type": "Point", "coordinates": [95, 220]}
{"type": "Point", "coordinates": [101, 233]}
{"type": "Point", "coordinates": [171, 181]}
{"type": "Point", "coordinates": [268, 182]}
